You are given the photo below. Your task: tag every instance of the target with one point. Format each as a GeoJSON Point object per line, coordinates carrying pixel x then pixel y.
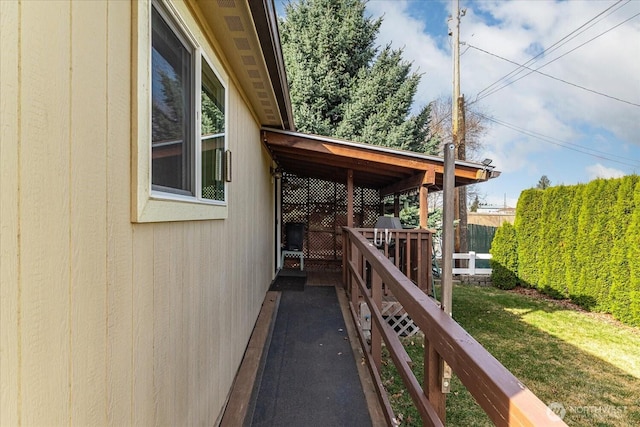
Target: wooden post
{"type": "Point", "coordinates": [429, 178]}
{"type": "Point", "coordinates": [432, 381]}
{"type": "Point", "coordinates": [396, 205]}
{"type": "Point", "coordinates": [350, 198]}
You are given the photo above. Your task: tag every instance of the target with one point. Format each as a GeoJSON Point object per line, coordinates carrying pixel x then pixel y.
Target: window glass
{"type": "Point", "coordinates": [212, 133]}
{"type": "Point", "coordinates": [171, 63]}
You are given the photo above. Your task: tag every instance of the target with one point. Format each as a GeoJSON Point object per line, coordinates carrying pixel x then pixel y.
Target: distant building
{"type": "Point", "coordinates": [492, 216]}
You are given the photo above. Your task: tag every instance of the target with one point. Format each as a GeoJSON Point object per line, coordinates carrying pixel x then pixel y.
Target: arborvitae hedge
{"type": "Point", "coordinates": [528, 230]}
{"type": "Point", "coordinates": [581, 242]}
{"type": "Point", "coordinates": [504, 257]}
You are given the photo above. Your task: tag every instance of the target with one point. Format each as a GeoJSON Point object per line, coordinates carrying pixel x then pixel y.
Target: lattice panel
{"type": "Point", "coordinates": [322, 191]}
{"type": "Point", "coordinates": [370, 207]}
{"type": "Point", "coordinates": [341, 194]}
{"type": "Point", "coordinates": [322, 206]}
{"type": "Point", "coordinates": [322, 245]}
{"type": "Point", "coordinates": [322, 216]}
{"type": "Point", "coordinates": [297, 189]}
{"type": "Point", "coordinates": [394, 315]}
{"type": "Point", "coordinates": [398, 319]}
{"type": "Point", "coordinates": [293, 213]}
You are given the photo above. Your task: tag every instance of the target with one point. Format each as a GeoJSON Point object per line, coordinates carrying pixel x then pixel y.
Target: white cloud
{"type": "Point", "coordinates": [559, 113]}
{"type": "Point", "coordinates": [599, 171]}
{"type": "Point", "coordinates": [408, 33]}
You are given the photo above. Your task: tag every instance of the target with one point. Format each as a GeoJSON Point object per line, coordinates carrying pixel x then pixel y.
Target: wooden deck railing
{"type": "Point", "coordinates": [366, 268]}
{"type": "Point", "coordinates": [409, 250]}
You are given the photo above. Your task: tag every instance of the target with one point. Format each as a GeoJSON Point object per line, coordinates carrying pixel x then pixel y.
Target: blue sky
{"type": "Point", "coordinates": [551, 124]}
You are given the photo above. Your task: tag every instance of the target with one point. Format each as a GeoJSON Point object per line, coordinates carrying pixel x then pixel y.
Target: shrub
{"type": "Point", "coordinates": [504, 261]}
{"type": "Point", "coordinates": [580, 241]}
{"type": "Point", "coordinates": [529, 227]}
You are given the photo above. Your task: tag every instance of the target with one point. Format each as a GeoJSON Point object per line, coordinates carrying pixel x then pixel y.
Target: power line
{"type": "Point", "coordinates": [564, 144]}
{"type": "Point", "coordinates": [584, 27]}
{"type": "Point", "coordinates": [552, 77]}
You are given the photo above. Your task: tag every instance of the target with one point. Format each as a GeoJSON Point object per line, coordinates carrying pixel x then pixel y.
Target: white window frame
{"type": "Point", "coordinates": [152, 205]}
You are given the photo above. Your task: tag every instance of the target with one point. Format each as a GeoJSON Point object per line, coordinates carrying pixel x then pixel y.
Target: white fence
{"type": "Point", "coordinates": [472, 270]}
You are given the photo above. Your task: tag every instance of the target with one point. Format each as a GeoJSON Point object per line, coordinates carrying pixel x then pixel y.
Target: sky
{"type": "Point", "coordinates": [574, 120]}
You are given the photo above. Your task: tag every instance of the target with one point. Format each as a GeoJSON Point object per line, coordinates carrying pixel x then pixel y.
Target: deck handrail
{"type": "Point", "coordinates": [499, 393]}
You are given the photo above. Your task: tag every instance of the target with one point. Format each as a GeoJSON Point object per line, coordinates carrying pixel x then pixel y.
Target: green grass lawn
{"type": "Point", "coordinates": [586, 362]}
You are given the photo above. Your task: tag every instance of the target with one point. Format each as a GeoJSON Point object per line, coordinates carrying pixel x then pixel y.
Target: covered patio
{"type": "Point", "coordinates": [328, 183]}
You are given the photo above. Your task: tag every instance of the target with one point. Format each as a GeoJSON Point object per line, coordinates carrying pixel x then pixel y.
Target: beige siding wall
{"type": "Point", "coordinates": [105, 322]}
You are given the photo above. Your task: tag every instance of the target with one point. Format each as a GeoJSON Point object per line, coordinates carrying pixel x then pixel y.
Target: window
{"type": "Point", "coordinates": [187, 160]}
{"type": "Point", "coordinates": [212, 135]}
{"type": "Point", "coordinates": [171, 109]}
{"type": "Point", "coordinates": [181, 165]}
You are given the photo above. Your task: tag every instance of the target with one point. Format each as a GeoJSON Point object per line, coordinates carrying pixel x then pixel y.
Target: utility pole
{"type": "Point", "coordinates": [448, 239]}
{"type": "Point", "coordinates": [462, 232]}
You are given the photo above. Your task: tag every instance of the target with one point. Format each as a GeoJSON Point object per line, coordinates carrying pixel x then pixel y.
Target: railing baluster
{"type": "Point", "coordinates": [376, 338]}
{"type": "Point", "coordinates": [396, 261]}
{"type": "Point", "coordinates": [408, 257]}
{"type": "Point", "coordinates": [356, 257]}
{"type": "Point", "coordinates": [419, 278]}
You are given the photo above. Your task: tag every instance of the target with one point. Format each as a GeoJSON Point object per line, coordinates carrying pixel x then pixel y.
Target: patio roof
{"type": "Point", "coordinates": [388, 170]}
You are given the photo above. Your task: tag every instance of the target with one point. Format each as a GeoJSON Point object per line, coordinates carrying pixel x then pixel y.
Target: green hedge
{"type": "Point", "coordinates": [580, 242]}
{"type": "Point", "coordinates": [504, 257]}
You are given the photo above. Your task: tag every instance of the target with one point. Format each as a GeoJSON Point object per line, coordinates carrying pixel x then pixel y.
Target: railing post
{"type": "Point", "coordinates": [472, 263]}
{"type": "Point", "coordinates": [432, 375]}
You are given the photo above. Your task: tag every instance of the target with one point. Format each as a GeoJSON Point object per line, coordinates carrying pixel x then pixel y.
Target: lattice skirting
{"type": "Point", "coordinates": [396, 317]}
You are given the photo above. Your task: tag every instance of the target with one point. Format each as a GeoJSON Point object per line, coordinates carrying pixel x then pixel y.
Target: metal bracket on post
{"type": "Point", "coordinates": [445, 377]}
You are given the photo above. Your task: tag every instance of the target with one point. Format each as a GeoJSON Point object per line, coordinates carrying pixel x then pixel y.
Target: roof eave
{"type": "Point", "coordinates": [266, 24]}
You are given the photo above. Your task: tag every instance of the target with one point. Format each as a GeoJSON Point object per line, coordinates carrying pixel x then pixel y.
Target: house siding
{"type": "Point", "coordinates": [106, 322]}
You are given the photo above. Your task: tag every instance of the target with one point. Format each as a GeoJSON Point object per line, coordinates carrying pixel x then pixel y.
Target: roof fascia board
{"type": "Point", "coordinates": [378, 148]}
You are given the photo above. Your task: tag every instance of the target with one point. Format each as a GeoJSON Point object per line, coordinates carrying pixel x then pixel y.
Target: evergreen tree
{"type": "Point", "coordinates": [341, 85]}
{"type": "Point", "coordinates": [633, 255]}
{"type": "Point", "coordinates": [528, 231]}
{"type": "Point", "coordinates": [556, 204]}
{"type": "Point", "coordinates": [620, 224]}
{"type": "Point", "coordinates": [543, 183]}
{"type": "Point", "coordinates": [504, 261]}
{"type": "Point", "coordinates": [569, 233]}
{"type": "Point", "coordinates": [168, 112]}
{"type": "Point", "coordinates": [475, 205]}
